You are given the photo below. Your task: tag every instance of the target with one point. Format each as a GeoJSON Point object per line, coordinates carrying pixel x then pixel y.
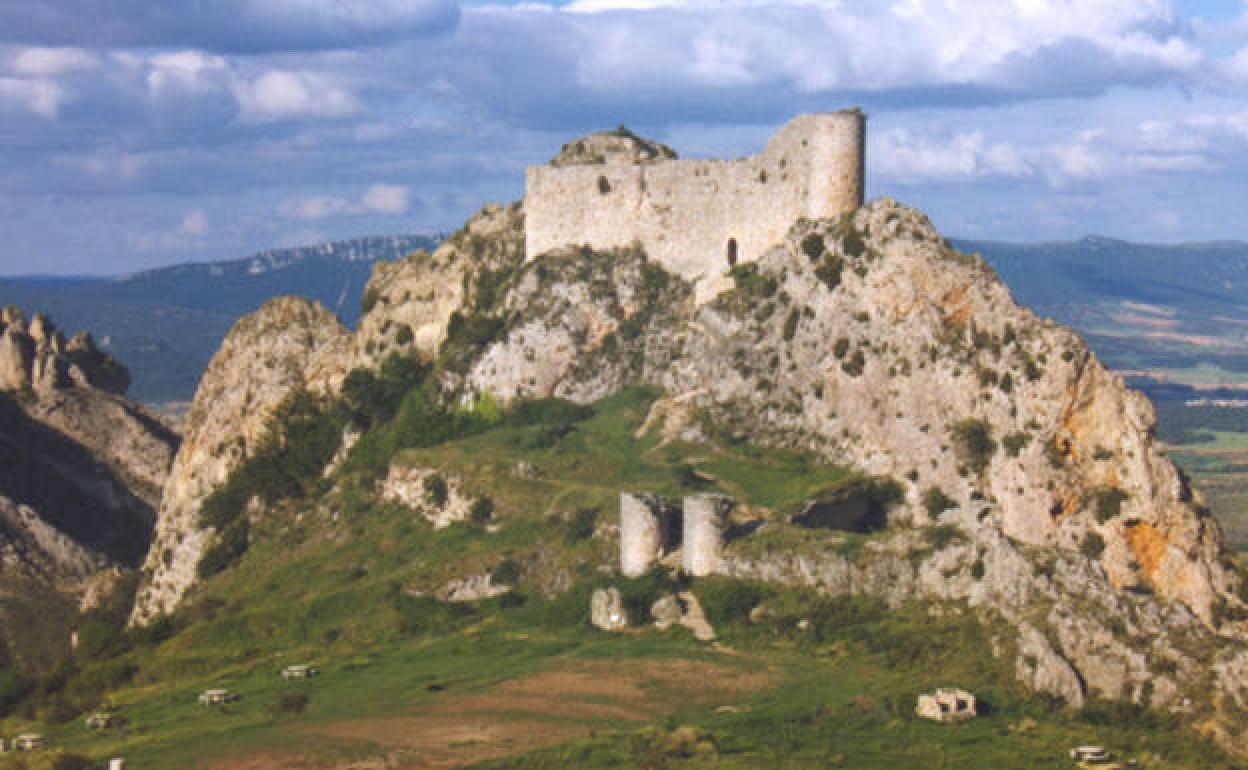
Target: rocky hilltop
{"type": "Point", "coordinates": [1031, 490]}
{"type": "Point", "coordinates": [82, 472]}
{"type": "Point", "coordinates": [288, 344]}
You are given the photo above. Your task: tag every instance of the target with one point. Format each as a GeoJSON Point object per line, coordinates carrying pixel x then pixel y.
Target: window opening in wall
{"type": "Point", "coordinates": [732, 252]}
{"type": "Point", "coordinates": [604, 186]}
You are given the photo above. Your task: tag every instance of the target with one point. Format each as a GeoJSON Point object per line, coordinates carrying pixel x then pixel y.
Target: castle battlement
{"type": "Point", "coordinates": [697, 217]}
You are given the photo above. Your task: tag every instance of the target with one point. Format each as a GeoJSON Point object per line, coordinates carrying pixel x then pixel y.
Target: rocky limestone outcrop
{"type": "Point", "coordinates": [440, 499]}
{"type": "Point", "coordinates": [869, 341]}
{"type": "Point", "coordinates": [287, 344]}
{"type": "Point", "coordinates": [408, 303]}
{"type": "Point", "coordinates": [81, 469]}
{"type": "Point", "coordinates": [619, 146]}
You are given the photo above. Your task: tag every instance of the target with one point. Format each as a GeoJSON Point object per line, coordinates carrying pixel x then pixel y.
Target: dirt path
{"type": "Point", "coordinates": [516, 715]}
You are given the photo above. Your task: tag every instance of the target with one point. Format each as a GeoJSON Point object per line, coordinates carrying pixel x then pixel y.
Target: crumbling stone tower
{"type": "Point", "coordinates": [706, 517]}
{"type": "Point", "coordinates": [696, 217]}
{"type": "Point", "coordinates": [641, 532]}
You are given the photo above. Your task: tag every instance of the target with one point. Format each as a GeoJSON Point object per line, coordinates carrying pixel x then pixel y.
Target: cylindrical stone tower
{"type": "Point", "coordinates": [641, 532]}
{"type": "Point", "coordinates": [705, 519]}
{"type": "Point", "coordinates": [837, 160]}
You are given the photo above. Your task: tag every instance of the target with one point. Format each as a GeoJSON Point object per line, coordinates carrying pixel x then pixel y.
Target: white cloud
{"type": "Point", "coordinates": [187, 71]}
{"type": "Point", "coordinates": [1083, 157]}
{"type": "Point", "coordinates": [40, 96]}
{"type": "Point", "coordinates": [318, 207]}
{"type": "Point", "coordinates": [378, 199]}
{"type": "Point", "coordinates": [284, 94]}
{"type": "Point", "coordinates": [905, 156]}
{"type": "Point", "coordinates": [48, 62]}
{"type": "Point", "coordinates": [827, 44]}
{"type": "Point", "coordinates": [386, 199]}
{"type": "Point", "coordinates": [194, 223]}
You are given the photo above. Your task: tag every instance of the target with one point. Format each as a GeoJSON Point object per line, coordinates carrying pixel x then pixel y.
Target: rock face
{"type": "Point", "coordinates": [408, 303]}
{"type": "Point", "coordinates": [440, 500]}
{"type": "Point", "coordinates": [80, 479]}
{"type": "Point", "coordinates": [869, 341]}
{"type": "Point", "coordinates": [606, 610]}
{"type": "Point", "coordinates": [287, 344]}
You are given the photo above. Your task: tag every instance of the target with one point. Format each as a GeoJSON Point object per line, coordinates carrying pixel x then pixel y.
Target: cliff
{"type": "Point", "coordinates": [80, 478]}
{"type": "Point", "coordinates": [287, 344]}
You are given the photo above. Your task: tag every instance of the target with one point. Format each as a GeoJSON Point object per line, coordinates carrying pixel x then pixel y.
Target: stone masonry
{"type": "Point", "coordinates": [705, 519]}
{"type": "Point", "coordinates": [697, 217]}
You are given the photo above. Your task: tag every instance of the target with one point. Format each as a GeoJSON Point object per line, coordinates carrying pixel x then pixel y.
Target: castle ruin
{"type": "Point", "coordinates": [696, 218]}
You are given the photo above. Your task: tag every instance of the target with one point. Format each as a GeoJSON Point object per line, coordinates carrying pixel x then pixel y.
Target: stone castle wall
{"type": "Point", "coordinates": [689, 215]}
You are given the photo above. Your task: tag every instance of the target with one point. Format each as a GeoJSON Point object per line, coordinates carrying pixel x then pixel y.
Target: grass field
{"type": "Point", "coordinates": [523, 680]}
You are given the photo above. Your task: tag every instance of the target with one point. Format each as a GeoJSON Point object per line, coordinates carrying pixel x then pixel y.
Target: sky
{"type": "Point", "coordinates": [136, 133]}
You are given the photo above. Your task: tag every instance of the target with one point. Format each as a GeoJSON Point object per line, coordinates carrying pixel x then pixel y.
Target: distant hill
{"type": "Point", "coordinates": [166, 323]}
{"type": "Point", "coordinates": [1176, 311]}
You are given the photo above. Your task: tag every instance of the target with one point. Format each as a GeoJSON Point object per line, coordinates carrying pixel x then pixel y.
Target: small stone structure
{"type": "Point", "coordinates": [300, 671]}
{"type": "Point", "coordinates": [1091, 755]}
{"type": "Point", "coordinates": [706, 516]}
{"type": "Point", "coordinates": [696, 217]}
{"type": "Point", "coordinates": [116, 763]}
{"type": "Point", "coordinates": [100, 720]}
{"type": "Point", "coordinates": [946, 705]}
{"type": "Point", "coordinates": [216, 697]}
{"type": "Point", "coordinates": [649, 530]}
{"type": "Point", "coordinates": [29, 742]}
{"type": "Point", "coordinates": [606, 610]}
{"type": "Point", "coordinates": [641, 532]}
{"type": "Point", "coordinates": [682, 609]}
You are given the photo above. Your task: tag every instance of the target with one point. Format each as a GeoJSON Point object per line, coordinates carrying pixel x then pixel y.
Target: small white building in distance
{"type": "Point", "coordinates": [29, 742]}
{"type": "Point", "coordinates": [299, 671]}
{"type": "Point", "coordinates": [216, 697]}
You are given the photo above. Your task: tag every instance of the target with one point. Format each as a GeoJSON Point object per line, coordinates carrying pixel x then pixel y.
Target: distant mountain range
{"type": "Point", "coordinates": [166, 323]}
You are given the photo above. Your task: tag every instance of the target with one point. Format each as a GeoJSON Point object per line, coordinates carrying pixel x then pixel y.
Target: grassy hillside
{"type": "Point", "coordinates": [522, 680]}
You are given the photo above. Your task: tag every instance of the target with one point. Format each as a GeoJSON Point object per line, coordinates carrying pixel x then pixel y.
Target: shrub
{"type": "Point", "coordinates": [292, 703]}
{"type": "Point", "coordinates": [639, 594]}
{"type": "Point", "coordinates": [790, 324]}
{"type": "Point", "coordinates": [1109, 502]}
{"type": "Point", "coordinates": [506, 573]}
{"type": "Point", "coordinates": [727, 601]}
{"type": "Point", "coordinates": [582, 526]}
{"type": "Point", "coordinates": [404, 335]}
{"type": "Point", "coordinates": [481, 511]}
{"type": "Point", "coordinates": [853, 243]}
{"type": "Point", "coordinates": [942, 535]}
{"type": "Point", "coordinates": [813, 246]}
{"type": "Point", "coordinates": [229, 547]}
{"type": "Point", "coordinates": [854, 365]}
{"type": "Point", "coordinates": [1014, 442]}
{"type": "Point", "coordinates": [368, 301]}
{"type": "Point", "coordinates": [829, 271]}
{"type": "Point", "coordinates": [436, 491]}
{"type": "Point", "coordinates": [466, 337]}
{"type": "Point", "coordinates": [1093, 545]}
{"type": "Point", "coordinates": [69, 761]}
{"type": "Point", "coordinates": [841, 347]}
{"type": "Point", "coordinates": [937, 502]}
{"type": "Point", "coordinates": [975, 443]}
{"type": "Point", "coordinates": [752, 283]}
